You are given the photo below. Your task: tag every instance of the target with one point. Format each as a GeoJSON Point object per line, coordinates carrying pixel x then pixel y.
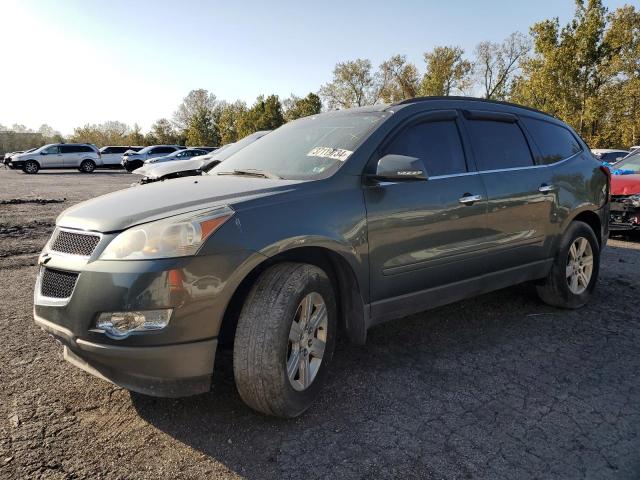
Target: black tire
{"type": "Point", "coordinates": [87, 166]}
{"type": "Point", "coordinates": [31, 167]}
{"type": "Point", "coordinates": [554, 289]}
{"type": "Point", "coordinates": [261, 344]}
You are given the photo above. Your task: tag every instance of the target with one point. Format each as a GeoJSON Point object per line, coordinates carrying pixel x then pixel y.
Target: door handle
{"type": "Point", "coordinates": [468, 199]}
{"type": "Point", "coordinates": [544, 188]}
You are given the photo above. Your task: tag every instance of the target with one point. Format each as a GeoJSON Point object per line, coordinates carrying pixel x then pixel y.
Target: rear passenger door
{"type": "Point", "coordinates": [70, 155]}
{"type": "Point", "coordinates": [520, 194]}
{"type": "Point", "coordinates": [424, 234]}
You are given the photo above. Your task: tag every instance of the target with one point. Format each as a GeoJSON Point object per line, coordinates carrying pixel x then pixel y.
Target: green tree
{"type": "Point", "coordinates": [162, 132]}
{"type": "Point", "coordinates": [264, 114]}
{"type": "Point", "coordinates": [353, 85]}
{"type": "Point", "coordinates": [399, 79]}
{"type": "Point", "coordinates": [229, 120]}
{"type": "Point", "coordinates": [135, 136]}
{"type": "Point", "coordinates": [295, 107]}
{"type": "Point", "coordinates": [566, 76]}
{"type": "Point", "coordinates": [202, 130]}
{"type": "Point", "coordinates": [107, 133]}
{"type": "Point", "coordinates": [193, 105]}
{"type": "Point", "coordinates": [447, 72]}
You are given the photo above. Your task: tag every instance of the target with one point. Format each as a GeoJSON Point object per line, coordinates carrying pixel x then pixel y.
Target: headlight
{"type": "Point", "coordinates": [178, 236]}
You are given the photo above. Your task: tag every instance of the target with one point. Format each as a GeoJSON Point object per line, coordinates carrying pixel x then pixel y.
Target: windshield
{"type": "Point", "coordinates": [312, 147]}
{"type": "Point", "coordinates": [630, 163]}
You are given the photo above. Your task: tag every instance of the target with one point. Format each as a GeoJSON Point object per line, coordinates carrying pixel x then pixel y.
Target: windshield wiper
{"type": "Point", "coordinates": [251, 172]}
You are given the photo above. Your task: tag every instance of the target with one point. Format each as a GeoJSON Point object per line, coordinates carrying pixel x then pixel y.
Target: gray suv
{"type": "Point", "coordinates": [327, 226]}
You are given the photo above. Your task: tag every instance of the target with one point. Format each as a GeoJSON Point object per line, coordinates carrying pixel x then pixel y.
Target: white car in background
{"type": "Point", "coordinates": [112, 154]}
{"type": "Point", "coordinates": [179, 155]}
{"type": "Point", "coordinates": [195, 166]}
{"type": "Point", "coordinates": [609, 155]}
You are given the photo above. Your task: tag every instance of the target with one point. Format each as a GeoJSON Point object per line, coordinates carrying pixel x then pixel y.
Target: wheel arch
{"type": "Point", "coordinates": [592, 219]}
{"type": "Point", "coordinates": [349, 298]}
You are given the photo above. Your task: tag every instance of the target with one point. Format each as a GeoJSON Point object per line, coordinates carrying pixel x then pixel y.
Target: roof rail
{"type": "Point", "coordinates": [474, 99]}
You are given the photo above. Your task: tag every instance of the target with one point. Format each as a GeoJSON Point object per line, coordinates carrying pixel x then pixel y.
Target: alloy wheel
{"type": "Point", "coordinates": [307, 341]}
{"type": "Point", "coordinates": [579, 265]}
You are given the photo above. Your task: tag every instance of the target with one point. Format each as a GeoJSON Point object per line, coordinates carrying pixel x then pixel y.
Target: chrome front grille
{"type": "Point", "coordinates": [57, 283]}
{"type": "Point", "coordinates": [73, 243]}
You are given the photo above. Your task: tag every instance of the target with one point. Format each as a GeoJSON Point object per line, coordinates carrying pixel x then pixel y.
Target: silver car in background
{"type": "Point", "coordinates": [83, 156]}
{"type": "Point", "coordinates": [179, 155]}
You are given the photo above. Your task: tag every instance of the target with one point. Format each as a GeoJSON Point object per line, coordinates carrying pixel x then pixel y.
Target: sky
{"type": "Point", "coordinates": [67, 63]}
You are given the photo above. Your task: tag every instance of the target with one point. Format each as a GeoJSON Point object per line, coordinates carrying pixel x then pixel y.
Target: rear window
{"type": "Point", "coordinates": [84, 148]}
{"type": "Point", "coordinates": [498, 145]}
{"type": "Point", "coordinates": [554, 141]}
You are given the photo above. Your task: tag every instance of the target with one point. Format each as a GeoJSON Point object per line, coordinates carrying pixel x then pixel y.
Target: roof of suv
{"type": "Point", "coordinates": [466, 99]}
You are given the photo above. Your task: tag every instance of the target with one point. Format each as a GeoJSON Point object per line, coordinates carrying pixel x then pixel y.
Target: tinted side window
{"type": "Point", "coordinates": [107, 150]}
{"type": "Point", "coordinates": [68, 149]}
{"type": "Point", "coordinates": [555, 142]}
{"type": "Point", "coordinates": [498, 145]}
{"type": "Point", "coordinates": [437, 144]}
{"type": "Point", "coordinates": [164, 150]}
{"type": "Point", "coordinates": [118, 149]}
{"type": "Point", "coordinates": [84, 148]}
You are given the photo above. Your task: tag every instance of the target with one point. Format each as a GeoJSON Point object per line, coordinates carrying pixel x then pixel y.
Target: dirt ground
{"type": "Point", "coordinates": [499, 386]}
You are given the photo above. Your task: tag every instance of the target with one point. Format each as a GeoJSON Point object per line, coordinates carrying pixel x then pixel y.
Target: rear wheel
{"type": "Point", "coordinates": [31, 167]}
{"type": "Point", "coordinates": [285, 339]}
{"type": "Point", "coordinates": [575, 269]}
{"type": "Point", "coordinates": [87, 166]}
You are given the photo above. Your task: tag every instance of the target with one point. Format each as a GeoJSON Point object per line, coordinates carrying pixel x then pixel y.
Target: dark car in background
{"type": "Point", "coordinates": [135, 159]}
{"type": "Point", "coordinates": [327, 226]}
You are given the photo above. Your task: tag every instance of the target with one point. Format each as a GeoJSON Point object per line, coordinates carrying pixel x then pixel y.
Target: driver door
{"type": "Point", "coordinates": [51, 157]}
{"type": "Point", "coordinates": [424, 235]}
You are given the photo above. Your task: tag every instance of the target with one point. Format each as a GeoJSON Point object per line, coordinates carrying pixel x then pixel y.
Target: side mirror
{"type": "Point", "coordinates": [399, 168]}
{"type": "Point", "coordinates": [43, 153]}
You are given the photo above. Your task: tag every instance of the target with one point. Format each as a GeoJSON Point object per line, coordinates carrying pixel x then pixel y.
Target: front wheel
{"type": "Point", "coordinates": [574, 273]}
{"type": "Point", "coordinates": [285, 339]}
{"type": "Point", "coordinates": [87, 166]}
{"type": "Point", "coordinates": [31, 167]}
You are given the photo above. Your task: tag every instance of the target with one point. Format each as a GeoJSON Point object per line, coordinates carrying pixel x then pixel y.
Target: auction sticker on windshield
{"type": "Point", "coordinates": [328, 152]}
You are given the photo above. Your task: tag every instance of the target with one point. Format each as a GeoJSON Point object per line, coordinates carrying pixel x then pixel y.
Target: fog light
{"type": "Point", "coordinates": [122, 324]}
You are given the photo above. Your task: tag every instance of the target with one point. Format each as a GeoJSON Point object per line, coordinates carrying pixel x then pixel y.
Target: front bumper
{"type": "Point", "coordinates": [131, 164]}
{"type": "Point", "coordinates": [161, 371]}
{"type": "Point", "coordinates": [175, 361]}
{"type": "Point", "coordinates": [16, 164]}
{"type": "Point", "coordinates": [623, 215]}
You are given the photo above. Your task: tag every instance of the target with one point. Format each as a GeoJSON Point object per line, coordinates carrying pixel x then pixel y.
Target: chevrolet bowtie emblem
{"type": "Point", "coordinates": [44, 258]}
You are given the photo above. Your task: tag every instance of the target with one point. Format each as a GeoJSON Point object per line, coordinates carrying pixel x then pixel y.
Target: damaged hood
{"type": "Point", "coordinates": [158, 170]}
{"type": "Point", "coordinates": [132, 206]}
{"type": "Point", "coordinates": [625, 184]}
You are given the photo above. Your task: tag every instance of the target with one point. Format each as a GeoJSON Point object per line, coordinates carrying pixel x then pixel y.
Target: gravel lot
{"type": "Point", "coordinates": [500, 386]}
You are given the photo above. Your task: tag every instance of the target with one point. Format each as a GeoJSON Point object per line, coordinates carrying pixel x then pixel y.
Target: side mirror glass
{"type": "Point", "coordinates": [43, 153]}
{"type": "Point", "coordinates": [398, 168]}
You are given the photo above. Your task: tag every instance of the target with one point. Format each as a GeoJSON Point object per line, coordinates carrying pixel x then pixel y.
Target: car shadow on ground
{"type": "Point", "coordinates": [483, 385]}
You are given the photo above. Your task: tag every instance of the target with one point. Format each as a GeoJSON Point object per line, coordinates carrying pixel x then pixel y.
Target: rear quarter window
{"type": "Point", "coordinates": [498, 145]}
{"type": "Point", "coordinates": [554, 142]}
